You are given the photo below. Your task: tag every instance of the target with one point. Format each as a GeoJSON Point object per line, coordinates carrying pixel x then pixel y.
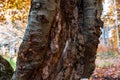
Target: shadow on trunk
{"type": "Point", "coordinates": [6, 71]}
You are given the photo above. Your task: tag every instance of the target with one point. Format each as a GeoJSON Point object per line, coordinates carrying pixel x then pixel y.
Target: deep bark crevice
{"type": "Point", "coordinates": [61, 40]}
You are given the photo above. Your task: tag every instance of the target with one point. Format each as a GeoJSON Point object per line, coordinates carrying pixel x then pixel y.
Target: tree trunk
{"type": "Point", "coordinates": [6, 71]}
{"type": "Point", "coordinates": [91, 21]}
{"type": "Point", "coordinates": [59, 43]}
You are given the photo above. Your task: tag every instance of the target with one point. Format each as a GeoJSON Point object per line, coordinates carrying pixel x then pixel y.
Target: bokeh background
{"type": "Point", "coordinates": [13, 21]}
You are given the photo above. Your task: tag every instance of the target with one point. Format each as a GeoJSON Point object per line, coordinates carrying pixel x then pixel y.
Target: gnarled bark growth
{"type": "Point", "coordinates": [57, 43]}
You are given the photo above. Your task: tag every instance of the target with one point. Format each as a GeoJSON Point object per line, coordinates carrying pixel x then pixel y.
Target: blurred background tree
{"type": "Point", "coordinates": [13, 20]}
{"type": "Point", "coordinates": [110, 38]}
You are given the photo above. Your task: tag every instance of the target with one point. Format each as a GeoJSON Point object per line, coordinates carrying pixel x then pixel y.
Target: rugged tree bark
{"type": "Point", "coordinates": [6, 71]}
{"type": "Point", "coordinates": [60, 41]}
{"type": "Point", "coordinates": [92, 10]}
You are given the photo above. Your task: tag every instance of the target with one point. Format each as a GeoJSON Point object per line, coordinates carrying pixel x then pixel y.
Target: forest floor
{"type": "Point", "coordinates": [107, 67]}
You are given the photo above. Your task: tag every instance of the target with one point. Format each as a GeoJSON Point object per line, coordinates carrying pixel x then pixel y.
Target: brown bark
{"type": "Point", "coordinates": [55, 44]}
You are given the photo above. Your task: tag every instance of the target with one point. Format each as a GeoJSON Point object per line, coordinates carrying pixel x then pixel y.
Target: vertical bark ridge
{"type": "Point", "coordinates": [80, 39]}
{"type": "Point", "coordinates": [91, 32]}
{"type": "Point", "coordinates": [71, 65]}
{"type": "Point", "coordinates": [33, 48]}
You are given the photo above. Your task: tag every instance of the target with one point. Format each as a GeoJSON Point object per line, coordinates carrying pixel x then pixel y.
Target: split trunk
{"type": "Point", "coordinates": [60, 41]}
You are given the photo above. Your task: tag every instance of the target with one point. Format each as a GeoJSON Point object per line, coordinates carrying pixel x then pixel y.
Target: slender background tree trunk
{"type": "Point", "coordinates": [60, 40]}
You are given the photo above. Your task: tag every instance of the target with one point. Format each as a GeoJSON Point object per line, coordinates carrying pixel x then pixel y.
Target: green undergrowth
{"type": "Point", "coordinates": [11, 61]}
{"type": "Point", "coordinates": [104, 64]}
{"type": "Point", "coordinates": [106, 59]}
{"type": "Point", "coordinates": [110, 54]}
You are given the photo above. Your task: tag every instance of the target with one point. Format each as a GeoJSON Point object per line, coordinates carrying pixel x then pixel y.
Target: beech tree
{"type": "Point", "coordinates": [60, 41]}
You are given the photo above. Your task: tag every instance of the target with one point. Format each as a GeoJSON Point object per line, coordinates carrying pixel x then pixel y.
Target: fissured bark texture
{"type": "Point", "coordinates": [92, 10]}
{"type": "Point", "coordinates": [60, 41]}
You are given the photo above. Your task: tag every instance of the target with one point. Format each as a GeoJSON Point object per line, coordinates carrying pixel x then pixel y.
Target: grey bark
{"type": "Point", "coordinates": [56, 45]}
{"type": "Point", "coordinates": [91, 21]}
